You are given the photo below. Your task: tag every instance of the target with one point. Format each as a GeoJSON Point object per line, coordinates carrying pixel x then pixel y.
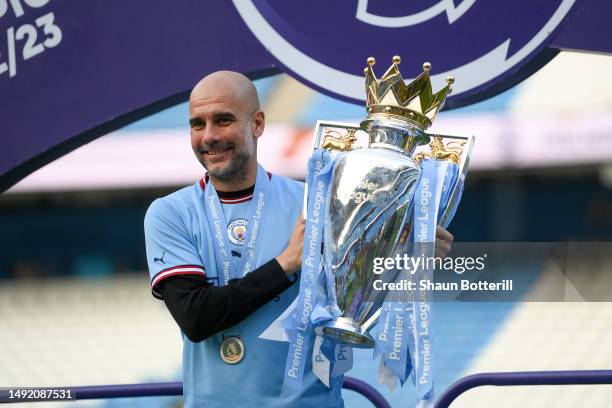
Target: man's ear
{"type": "Point", "coordinates": [259, 123]}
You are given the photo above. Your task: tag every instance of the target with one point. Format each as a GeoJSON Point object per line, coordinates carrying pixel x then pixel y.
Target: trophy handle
{"type": "Point", "coordinates": [327, 136]}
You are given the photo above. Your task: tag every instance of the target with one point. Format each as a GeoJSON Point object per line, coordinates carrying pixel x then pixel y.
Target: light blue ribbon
{"type": "Point", "coordinates": [427, 200]}
{"type": "Point", "coordinates": [403, 332]}
{"type": "Point", "coordinates": [340, 357]}
{"type": "Point", "coordinates": [393, 332]}
{"type": "Point", "coordinates": [449, 180]}
{"type": "Point", "coordinates": [452, 202]}
{"type": "Point", "coordinates": [301, 331]}
{"type": "Point", "coordinates": [228, 266]}
{"type": "Point", "coordinates": [380, 332]}
{"type": "Point", "coordinates": [397, 357]}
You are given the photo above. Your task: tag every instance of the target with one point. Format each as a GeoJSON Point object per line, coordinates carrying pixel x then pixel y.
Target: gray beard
{"type": "Point", "coordinates": [235, 170]}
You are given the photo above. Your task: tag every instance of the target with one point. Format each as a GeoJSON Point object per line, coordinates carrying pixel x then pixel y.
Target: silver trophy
{"type": "Point", "coordinates": [372, 190]}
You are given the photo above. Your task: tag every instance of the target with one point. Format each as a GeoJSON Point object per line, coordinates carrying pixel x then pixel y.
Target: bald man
{"type": "Point", "coordinates": [223, 254]}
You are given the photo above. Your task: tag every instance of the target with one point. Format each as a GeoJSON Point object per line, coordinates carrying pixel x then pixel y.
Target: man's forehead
{"type": "Point", "coordinates": [214, 104]}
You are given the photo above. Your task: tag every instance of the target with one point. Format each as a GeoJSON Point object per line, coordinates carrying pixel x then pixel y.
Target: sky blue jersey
{"type": "Point", "coordinates": [179, 241]}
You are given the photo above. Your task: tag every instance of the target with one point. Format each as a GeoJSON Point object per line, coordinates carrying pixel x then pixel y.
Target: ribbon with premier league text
{"type": "Point", "coordinates": [330, 360]}
{"type": "Point", "coordinates": [231, 267]}
{"type": "Point", "coordinates": [403, 332]}
{"type": "Point", "coordinates": [426, 208]}
{"type": "Point", "coordinates": [393, 335]}
{"type": "Point", "coordinates": [319, 175]}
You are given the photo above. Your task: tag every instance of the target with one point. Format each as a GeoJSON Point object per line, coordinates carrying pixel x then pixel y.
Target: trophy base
{"type": "Point", "coordinates": [346, 330]}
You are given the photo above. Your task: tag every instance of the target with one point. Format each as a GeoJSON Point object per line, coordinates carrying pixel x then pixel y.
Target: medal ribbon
{"type": "Point", "coordinates": [228, 266]}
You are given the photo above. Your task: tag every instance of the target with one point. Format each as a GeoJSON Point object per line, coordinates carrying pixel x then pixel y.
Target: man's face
{"type": "Point", "coordinates": [222, 135]}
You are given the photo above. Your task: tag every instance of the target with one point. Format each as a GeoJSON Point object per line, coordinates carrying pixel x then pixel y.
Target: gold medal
{"type": "Point", "coordinates": [232, 350]}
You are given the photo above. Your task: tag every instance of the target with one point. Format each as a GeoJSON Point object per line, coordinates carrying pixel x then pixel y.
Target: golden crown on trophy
{"type": "Point", "coordinates": [391, 97]}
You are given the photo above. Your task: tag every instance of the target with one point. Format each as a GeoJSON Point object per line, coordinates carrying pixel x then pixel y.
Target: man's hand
{"type": "Point", "coordinates": [444, 240]}
{"type": "Point", "coordinates": [291, 258]}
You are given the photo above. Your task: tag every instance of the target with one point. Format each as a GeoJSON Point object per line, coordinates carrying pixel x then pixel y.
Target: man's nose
{"type": "Point", "coordinates": [209, 135]}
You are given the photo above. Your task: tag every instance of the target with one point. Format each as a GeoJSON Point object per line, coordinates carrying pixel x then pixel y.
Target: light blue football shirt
{"type": "Point", "coordinates": [178, 241]}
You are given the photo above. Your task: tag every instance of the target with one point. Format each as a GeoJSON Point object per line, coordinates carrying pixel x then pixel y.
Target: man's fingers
{"type": "Point", "coordinates": [443, 245]}
{"type": "Point", "coordinates": [443, 234]}
{"type": "Point", "coordinates": [291, 258]}
{"type": "Point", "coordinates": [444, 240]}
{"type": "Point", "coordinates": [443, 248]}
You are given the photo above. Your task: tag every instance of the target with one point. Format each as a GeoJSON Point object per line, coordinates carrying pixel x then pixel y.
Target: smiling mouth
{"type": "Point", "coordinates": [216, 152]}
{"type": "Point", "coordinates": [215, 149]}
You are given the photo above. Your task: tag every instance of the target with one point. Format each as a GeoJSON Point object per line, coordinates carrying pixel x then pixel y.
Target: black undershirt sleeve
{"type": "Point", "coordinates": [201, 309]}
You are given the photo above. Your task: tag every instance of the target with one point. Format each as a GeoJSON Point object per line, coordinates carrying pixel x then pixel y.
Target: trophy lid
{"type": "Point", "coordinates": [390, 98]}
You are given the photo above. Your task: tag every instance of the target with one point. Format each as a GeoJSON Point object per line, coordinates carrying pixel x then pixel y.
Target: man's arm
{"type": "Point", "coordinates": [202, 310]}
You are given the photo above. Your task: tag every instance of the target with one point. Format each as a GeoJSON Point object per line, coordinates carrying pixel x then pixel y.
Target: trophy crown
{"type": "Point", "coordinates": [390, 96]}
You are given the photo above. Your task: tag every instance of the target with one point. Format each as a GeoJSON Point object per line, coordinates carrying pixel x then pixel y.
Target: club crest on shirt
{"type": "Point", "coordinates": [236, 231]}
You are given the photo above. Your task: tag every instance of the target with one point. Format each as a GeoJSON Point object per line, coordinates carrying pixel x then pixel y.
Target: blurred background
{"type": "Point", "coordinates": [75, 302]}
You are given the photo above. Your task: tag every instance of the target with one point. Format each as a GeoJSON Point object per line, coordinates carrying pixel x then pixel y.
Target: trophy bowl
{"type": "Point", "coordinates": [370, 207]}
{"type": "Point", "coordinates": [368, 216]}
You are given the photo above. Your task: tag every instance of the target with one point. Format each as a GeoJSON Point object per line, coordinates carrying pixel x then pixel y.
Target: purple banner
{"type": "Point", "coordinates": [72, 70]}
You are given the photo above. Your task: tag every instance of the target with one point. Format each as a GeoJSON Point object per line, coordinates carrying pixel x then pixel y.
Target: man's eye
{"type": "Point", "coordinates": [224, 121]}
{"type": "Point", "coordinates": [197, 126]}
